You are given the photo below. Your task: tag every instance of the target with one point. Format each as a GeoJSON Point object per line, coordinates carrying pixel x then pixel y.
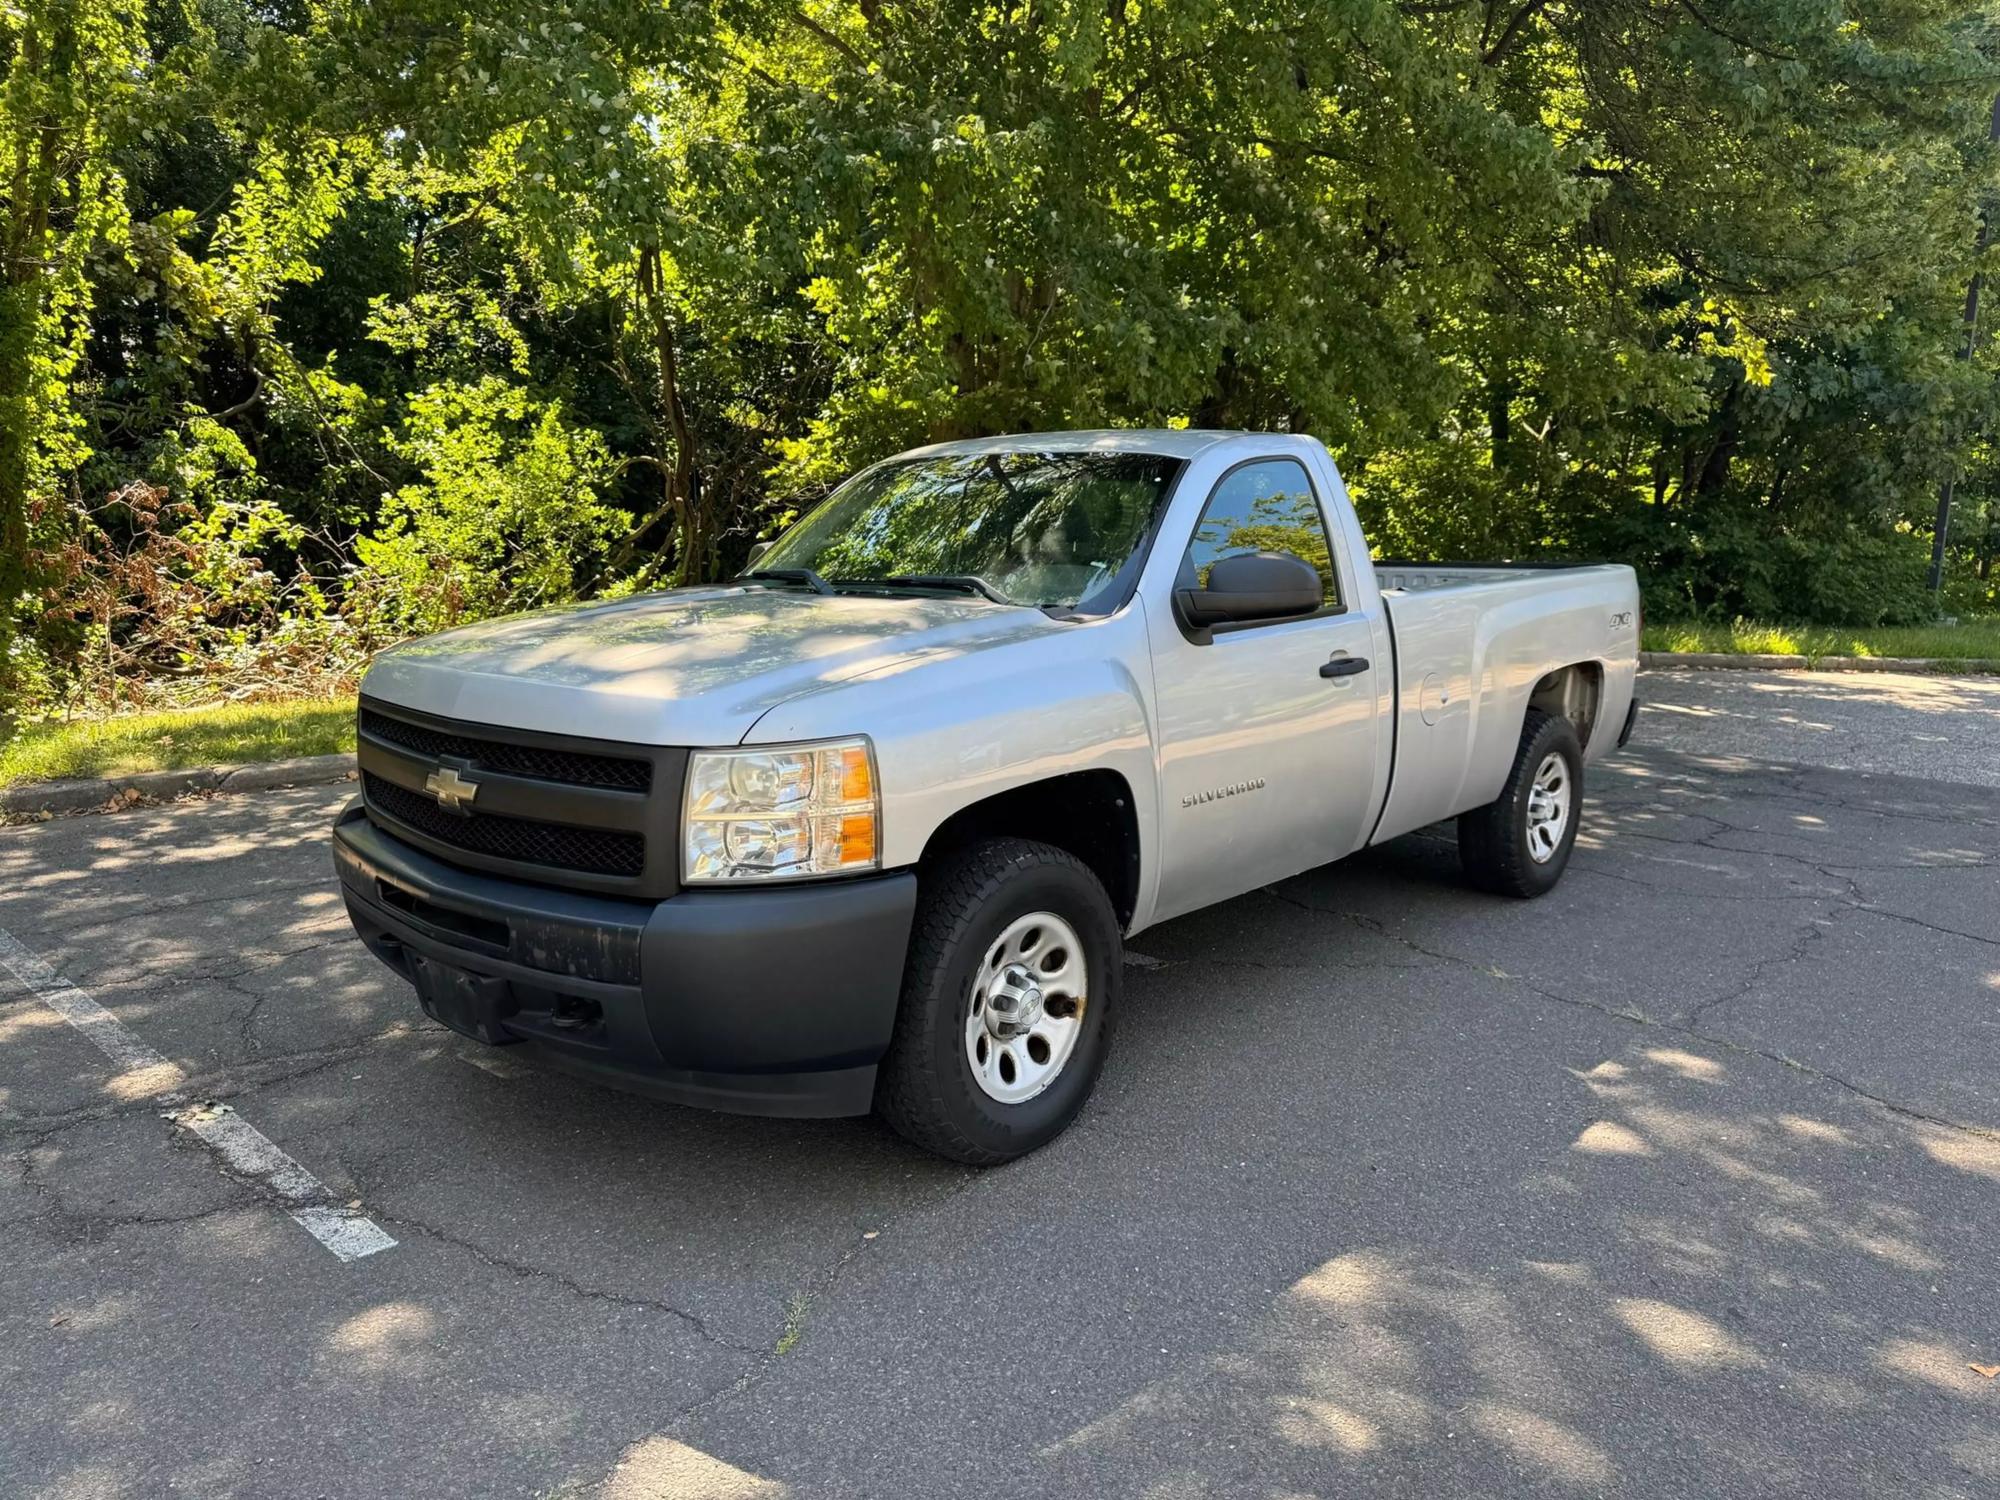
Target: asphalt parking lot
{"type": "Point", "coordinates": [1683, 1181]}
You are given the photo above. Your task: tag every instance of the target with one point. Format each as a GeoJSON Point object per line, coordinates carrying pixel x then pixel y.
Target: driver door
{"type": "Point", "coordinates": [1267, 766]}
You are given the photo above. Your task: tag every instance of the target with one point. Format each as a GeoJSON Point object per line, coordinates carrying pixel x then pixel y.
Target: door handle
{"type": "Point", "coordinates": [1344, 666]}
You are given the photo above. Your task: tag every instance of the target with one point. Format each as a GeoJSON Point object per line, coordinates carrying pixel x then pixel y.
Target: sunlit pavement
{"type": "Point", "coordinates": [1682, 1181]}
{"type": "Point", "coordinates": [1941, 728]}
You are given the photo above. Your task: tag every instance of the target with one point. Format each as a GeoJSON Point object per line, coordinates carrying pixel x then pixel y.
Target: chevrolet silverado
{"type": "Point", "coordinates": [867, 827]}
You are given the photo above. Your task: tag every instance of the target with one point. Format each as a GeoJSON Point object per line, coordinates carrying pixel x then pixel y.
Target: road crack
{"type": "Point", "coordinates": [528, 1271]}
{"type": "Point", "coordinates": [1679, 1026]}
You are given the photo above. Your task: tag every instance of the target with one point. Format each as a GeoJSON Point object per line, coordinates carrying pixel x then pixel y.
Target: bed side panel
{"type": "Point", "coordinates": [1469, 656]}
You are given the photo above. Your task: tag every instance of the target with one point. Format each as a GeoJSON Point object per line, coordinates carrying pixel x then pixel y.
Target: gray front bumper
{"type": "Point", "coordinates": [774, 1001]}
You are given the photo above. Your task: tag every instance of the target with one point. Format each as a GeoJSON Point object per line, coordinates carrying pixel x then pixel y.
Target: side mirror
{"type": "Point", "coordinates": [758, 551]}
{"type": "Point", "coordinates": [1251, 586]}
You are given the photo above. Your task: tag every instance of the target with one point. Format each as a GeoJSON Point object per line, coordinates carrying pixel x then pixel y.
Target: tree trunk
{"type": "Point", "coordinates": [1219, 408]}
{"type": "Point", "coordinates": [20, 312]}
{"type": "Point", "coordinates": [1500, 415]}
{"type": "Point", "coordinates": [1715, 470]}
{"type": "Point", "coordinates": [678, 477]}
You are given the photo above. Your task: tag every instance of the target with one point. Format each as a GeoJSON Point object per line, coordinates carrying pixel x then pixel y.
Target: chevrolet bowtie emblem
{"type": "Point", "coordinates": [452, 790]}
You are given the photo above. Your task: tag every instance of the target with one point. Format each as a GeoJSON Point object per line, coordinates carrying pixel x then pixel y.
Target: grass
{"type": "Point", "coordinates": [233, 734]}
{"type": "Point", "coordinates": [795, 1323]}
{"type": "Point", "coordinates": [1971, 639]}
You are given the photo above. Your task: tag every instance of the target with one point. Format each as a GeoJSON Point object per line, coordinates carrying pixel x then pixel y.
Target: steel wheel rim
{"type": "Point", "coordinates": [1549, 804]}
{"type": "Point", "coordinates": [1025, 1012]}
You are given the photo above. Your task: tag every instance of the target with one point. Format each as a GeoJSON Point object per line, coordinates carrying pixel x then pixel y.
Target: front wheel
{"type": "Point", "coordinates": [1007, 1002]}
{"type": "Point", "coordinates": [1519, 843]}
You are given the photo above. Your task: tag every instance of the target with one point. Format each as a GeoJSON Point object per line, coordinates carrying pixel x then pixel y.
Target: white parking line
{"type": "Point", "coordinates": [492, 1060]}
{"type": "Point", "coordinates": [242, 1148]}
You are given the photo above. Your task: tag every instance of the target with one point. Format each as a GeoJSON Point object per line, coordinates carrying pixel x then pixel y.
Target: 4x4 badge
{"type": "Point", "coordinates": [452, 790]}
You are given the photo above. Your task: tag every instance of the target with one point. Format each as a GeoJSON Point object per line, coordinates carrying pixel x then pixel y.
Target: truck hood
{"type": "Point", "coordinates": [686, 667]}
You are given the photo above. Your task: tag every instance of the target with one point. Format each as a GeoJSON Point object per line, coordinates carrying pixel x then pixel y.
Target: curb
{"type": "Point", "coordinates": [48, 797]}
{"type": "Point", "coordinates": [1970, 666]}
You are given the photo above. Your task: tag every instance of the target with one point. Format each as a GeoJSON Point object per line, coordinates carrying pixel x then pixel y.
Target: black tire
{"type": "Point", "coordinates": [1493, 841]}
{"type": "Point", "coordinates": [925, 1087]}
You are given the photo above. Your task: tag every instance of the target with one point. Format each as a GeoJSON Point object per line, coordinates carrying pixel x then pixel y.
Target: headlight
{"type": "Point", "coordinates": [780, 812]}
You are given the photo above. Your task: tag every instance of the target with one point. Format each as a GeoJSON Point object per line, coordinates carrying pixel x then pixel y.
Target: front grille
{"type": "Point", "coordinates": [573, 767]}
{"type": "Point", "coordinates": [593, 851]}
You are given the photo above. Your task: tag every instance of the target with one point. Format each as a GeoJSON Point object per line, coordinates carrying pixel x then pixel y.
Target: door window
{"type": "Point", "coordinates": [1266, 506]}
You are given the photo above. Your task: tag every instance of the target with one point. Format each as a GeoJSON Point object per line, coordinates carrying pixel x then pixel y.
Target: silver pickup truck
{"type": "Point", "coordinates": [866, 828]}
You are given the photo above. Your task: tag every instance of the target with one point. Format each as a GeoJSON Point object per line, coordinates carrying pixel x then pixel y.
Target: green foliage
{"type": "Point", "coordinates": [423, 312]}
{"type": "Point", "coordinates": [506, 516]}
{"type": "Point", "coordinates": [66, 101]}
{"type": "Point", "coordinates": [1728, 564]}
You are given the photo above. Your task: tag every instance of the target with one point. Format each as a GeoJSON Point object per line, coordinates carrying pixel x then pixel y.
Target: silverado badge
{"type": "Point", "coordinates": [1216, 794]}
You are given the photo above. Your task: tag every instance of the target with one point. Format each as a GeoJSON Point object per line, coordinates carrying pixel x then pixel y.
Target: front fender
{"type": "Point", "coordinates": [953, 729]}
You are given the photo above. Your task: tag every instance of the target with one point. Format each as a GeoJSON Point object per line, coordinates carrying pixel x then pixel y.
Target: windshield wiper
{"type": "Point", "coordinates": [805, 576]}
{"type": "Point", "coordinates": [968, 583]}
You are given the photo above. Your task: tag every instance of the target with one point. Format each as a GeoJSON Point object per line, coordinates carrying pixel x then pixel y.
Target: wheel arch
{"type": "Point", "coordinates": [1089, 814]}
{"type": "Point", "coordinates": [1574, 692]}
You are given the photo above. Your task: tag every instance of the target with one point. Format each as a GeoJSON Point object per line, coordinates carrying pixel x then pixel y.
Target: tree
{"type": "Point", "coordinates": [1667, 282]}
{"type": "Point", "coordinates": [71, 78]}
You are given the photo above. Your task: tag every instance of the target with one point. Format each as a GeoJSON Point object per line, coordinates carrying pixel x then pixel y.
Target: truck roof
{"type": "Point", "coordinates": [1172, 442]}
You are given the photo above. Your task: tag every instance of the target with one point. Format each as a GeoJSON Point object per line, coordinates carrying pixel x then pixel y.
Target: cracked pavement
{"type": "Point", "coordinates": [1682, 1181]}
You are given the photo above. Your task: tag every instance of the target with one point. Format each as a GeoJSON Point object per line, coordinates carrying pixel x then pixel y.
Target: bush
{"type": "Point", "coordinates": [507, 517]}
{"type": "Point", "coordinates": [1727, 562]}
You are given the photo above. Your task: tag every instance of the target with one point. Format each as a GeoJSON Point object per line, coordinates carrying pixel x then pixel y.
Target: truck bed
{"type": "Point", "coordinates": [1473, 641]}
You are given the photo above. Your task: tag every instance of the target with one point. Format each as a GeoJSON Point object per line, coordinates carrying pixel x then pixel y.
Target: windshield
{"type": "Point", "coordinates": [1058, 530]}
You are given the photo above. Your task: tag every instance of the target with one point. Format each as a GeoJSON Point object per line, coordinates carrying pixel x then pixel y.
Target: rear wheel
{"type": "Point", "coordinates": [1007, 1002]}
{"type": "Point", "coordinates": [1519, 844]}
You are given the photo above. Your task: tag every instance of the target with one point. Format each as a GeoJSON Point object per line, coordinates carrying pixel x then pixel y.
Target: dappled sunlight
{"type": "Point", "coordinates": [19, 1021]}
{"type": "Point", "coordinates": [1934, 726]}
{"type": "Point", "coordinates": [1682, 1338]}
{"type": "Point", "coordinates": [145, 1083]}
{"type": "Point", "coordinates": [1608, 1138]}
{"type": "Point", "coordinates": [1746, 1150]}
{"type": "Point", "coordinates": [100, 1315]}
{"type": "Point", "coordinates": [392, 1336]}
{"type": "Point", "coordinates": [1678, 1248]}
{"type": "Point", "coordinates": [1687, 1064]}
{"type": "Point", "coordinates": [645, 659]}
{"type": "Point", "coordinates": [1543, 1445]}
{"type": "Point", "coordinates": [661, 1468]}
{"type": "Point", "coordinates": [104, 1414]}
{"type": "Point", "coordinates": [1568, 1273]}
{"type": "Point", "coordinates": [1385, 1355]}
{"type": "Point", "coordinates": [1891, 1247]}
{"type": "Point", "coordinates": [1558, 1218]}
{"type": "Point", "coordinates": [1348, 1281]}
{"type": "Point", "coordinates": [1308, 1422]}
{"type": "Point", "coordinates": [1977, 1154]}
{"type": "Point", "coordinates": [1814, 1130]}
{"type": "Point", "coordinates": [1910, 692]}
{"type": "Point", "coordinates": [86, 1482]}
{"type": "Point", "coordinates": [1935, 1363]}
{"type": "Point", "coordinates": [1606, 1072]}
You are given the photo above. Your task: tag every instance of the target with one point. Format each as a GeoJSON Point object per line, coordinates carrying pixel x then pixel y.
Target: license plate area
{"type": "Point", "coordinates": [472, 1004]}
